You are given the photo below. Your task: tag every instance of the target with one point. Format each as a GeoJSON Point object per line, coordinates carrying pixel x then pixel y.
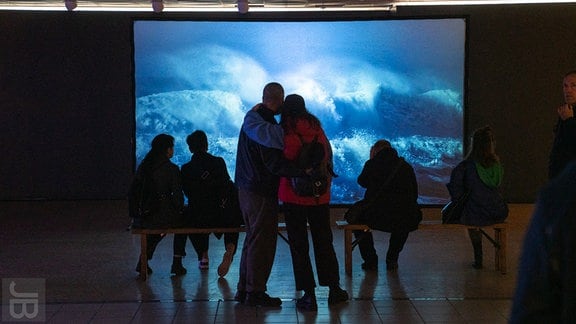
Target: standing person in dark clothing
{"type": "Point", "coordinates": [546, 286]}
{"type": "Point", "coordinates": [564, 146]}
{"type": "Point", "coordinates": [156, 199]}
{"type": "Point", "coordinates": [396, 211]}
{"type": "Point", "coordinates": [212, 202]}
{"type": "Point", "coordinates": [479, 176]}
{"type": "Point", "coordinates": [301, 126]}
{"type": "Point", "coordinates": [258, 171]}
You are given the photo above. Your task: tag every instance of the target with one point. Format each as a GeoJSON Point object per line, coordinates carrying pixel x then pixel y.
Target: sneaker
{"type": "Point", "coordinates": [226, 260]}
{"type": "Point", "coordinates": [139, 266]}
{"type": "Point", "coordinates": [370, 266]}
{"type": "Point", "coordinates": [337, 295]}
{"type": "Point", "coordinates": [203, 264]}
{"type": "Point", "coordinates": [307, 303]}
{"type": "Point", "coordinates": [240, 296]}
{"type": "Point", "coordinates": [262, 299]}
{"type": "Point", "coordinates": [177, 267]}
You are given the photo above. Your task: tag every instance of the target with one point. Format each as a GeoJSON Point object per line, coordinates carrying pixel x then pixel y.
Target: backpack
{"type": "Point", "coordinates": [312, 156]}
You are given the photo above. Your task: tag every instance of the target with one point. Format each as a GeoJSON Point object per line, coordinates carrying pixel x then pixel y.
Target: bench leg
{"type": "Point", "coordinates": [348, 251]}
{"type": "Point", "coordinates": [143, 258]}
{"type": "Point", "coordinates": [500, 255]}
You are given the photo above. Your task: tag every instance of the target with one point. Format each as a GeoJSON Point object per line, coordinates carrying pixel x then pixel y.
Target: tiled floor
{"type": "Point", "coordinates": [87, 258]}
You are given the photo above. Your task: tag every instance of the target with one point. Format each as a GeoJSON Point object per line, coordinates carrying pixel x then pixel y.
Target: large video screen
{"type": "Point", "coordinates": [365, 79]}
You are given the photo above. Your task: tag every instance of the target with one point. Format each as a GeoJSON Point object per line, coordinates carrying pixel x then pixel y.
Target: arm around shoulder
{"type": "Point", "coordinates": [263, 132]}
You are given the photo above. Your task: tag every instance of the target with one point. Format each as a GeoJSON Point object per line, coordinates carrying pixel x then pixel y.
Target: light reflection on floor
{"type": "Point", "coordinates": [87, 257]}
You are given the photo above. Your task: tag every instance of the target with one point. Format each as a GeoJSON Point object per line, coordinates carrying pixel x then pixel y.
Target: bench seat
{"type": "Point", "coordinates": [184, 230]}
{"type": "Point", "coordinates": [498, 241]}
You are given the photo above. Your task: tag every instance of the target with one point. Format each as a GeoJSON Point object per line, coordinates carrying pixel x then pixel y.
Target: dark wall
{"type": "Point", "coordinates": [67, 113]}
{"type": "Point", "coordinates": [66, 98]}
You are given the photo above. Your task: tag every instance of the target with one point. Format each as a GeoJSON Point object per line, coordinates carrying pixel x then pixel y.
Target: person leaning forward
{"type": "Point", "coordinates": [257, 176]}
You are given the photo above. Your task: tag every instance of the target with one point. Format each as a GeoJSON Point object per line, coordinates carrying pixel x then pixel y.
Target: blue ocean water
{"type": "Point", "coordinates": [427, 139]}
{"type": "Point", "coordinates": [400, 80]}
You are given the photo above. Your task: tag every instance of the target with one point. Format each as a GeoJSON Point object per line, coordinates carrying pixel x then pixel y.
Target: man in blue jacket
{"type": "Point", "coordinates": [258, 171]}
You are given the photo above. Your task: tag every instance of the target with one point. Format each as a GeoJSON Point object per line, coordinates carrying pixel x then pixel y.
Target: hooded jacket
{"type": "Point", "coordinates": [395, 205]}
{"type": "Point", "coordinates": [485, 206]}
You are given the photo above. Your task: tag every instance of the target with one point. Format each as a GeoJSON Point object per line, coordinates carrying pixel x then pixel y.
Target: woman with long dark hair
{"type": "Point", "coordinates": [479, 176]}
{"type": "Point", "coordinates": [156, 199]}
{"type": "Point", "coordinates": [301, 126]}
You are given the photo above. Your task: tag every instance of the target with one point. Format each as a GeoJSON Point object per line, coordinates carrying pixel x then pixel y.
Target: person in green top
{"type": "Point", "coordinates": [479, 176]}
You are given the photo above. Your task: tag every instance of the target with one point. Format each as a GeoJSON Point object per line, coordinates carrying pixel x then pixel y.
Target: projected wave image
{"type": "Point", "coordinates": [401, 80]}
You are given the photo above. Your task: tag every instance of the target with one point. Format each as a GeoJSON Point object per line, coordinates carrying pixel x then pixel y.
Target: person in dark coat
{"type": "Point", "coordinates": [212, 202]}
{"type": "Point", "coordinates": [395, 208]}
{"type": "Point", "coordinates": [156, 199]}
{"type": "Point", "coordinates": [479, 176]}
{"type": "Point", "coordinates": [546, 286]}
{"type": "Point", "coordinates": [564, 146]}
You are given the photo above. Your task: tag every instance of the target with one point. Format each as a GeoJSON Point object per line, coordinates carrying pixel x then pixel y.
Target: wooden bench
{"type": "Point", "coordinates": [498, 241]}
{"type": "Point", "coordinates": [185, 230]}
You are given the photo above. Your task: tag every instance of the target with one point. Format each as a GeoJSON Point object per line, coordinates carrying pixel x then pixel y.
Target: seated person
{"type": "Point", "coordinates": [479, 176]}
{"type": "Point", "coordinates": [391, 185]}
{"type": "Point", "coordinates": [212, 202]}
{"type": "Point", "coordinates": [155, 198]}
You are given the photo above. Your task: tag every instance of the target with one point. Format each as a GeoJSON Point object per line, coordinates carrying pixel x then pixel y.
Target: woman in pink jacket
{"type": "Point", "coordinates": [300, 127]}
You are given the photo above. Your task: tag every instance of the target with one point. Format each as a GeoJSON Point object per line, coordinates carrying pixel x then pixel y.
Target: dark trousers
{"type": "Point", "coordinates": [297, 217]}
{"type": "Point", "coordinates": [476, 239]}
{"type": "Point", "coordinates": [152, 241]}
{"type": "Point", "coordinates": [200, 242]}
{"type": "Point", "coordinates": [368, 252]}
{"type": "Point", "coordinates": [260, 215]}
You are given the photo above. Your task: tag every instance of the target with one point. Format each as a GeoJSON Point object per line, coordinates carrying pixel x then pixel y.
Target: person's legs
{"type": "Point", "coordinates": [244, 197]}
{"type": "Point", "coordinates": [322, 239]}
{"type": "Point", "coordinates": [179, 245]}
{"type": "Point", "coordinates": [326, 261]}
{"type": "Point", "coordinates": [367, 250]}
{"type": "Point", "coordinates": [230, 243]}
{"type": "Point", "coordinates": [179, 251]}
{"type": "Point", "coordinates": [296, 217]}
{"type": "Point", "coordinates": [231, 238]}
{"type": "Point", "coordinates": [296, 228]}
{"type": "Point", "coordinates": [395, 246]}
{"type": "Point", "coordinates": [476, 239]}
{"type": "Point", "coordinates": [152, 241]}
{"type": "Point", "coordinates": [261, 220]}
{"type": "Point", "coordinates": [200, 243]}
